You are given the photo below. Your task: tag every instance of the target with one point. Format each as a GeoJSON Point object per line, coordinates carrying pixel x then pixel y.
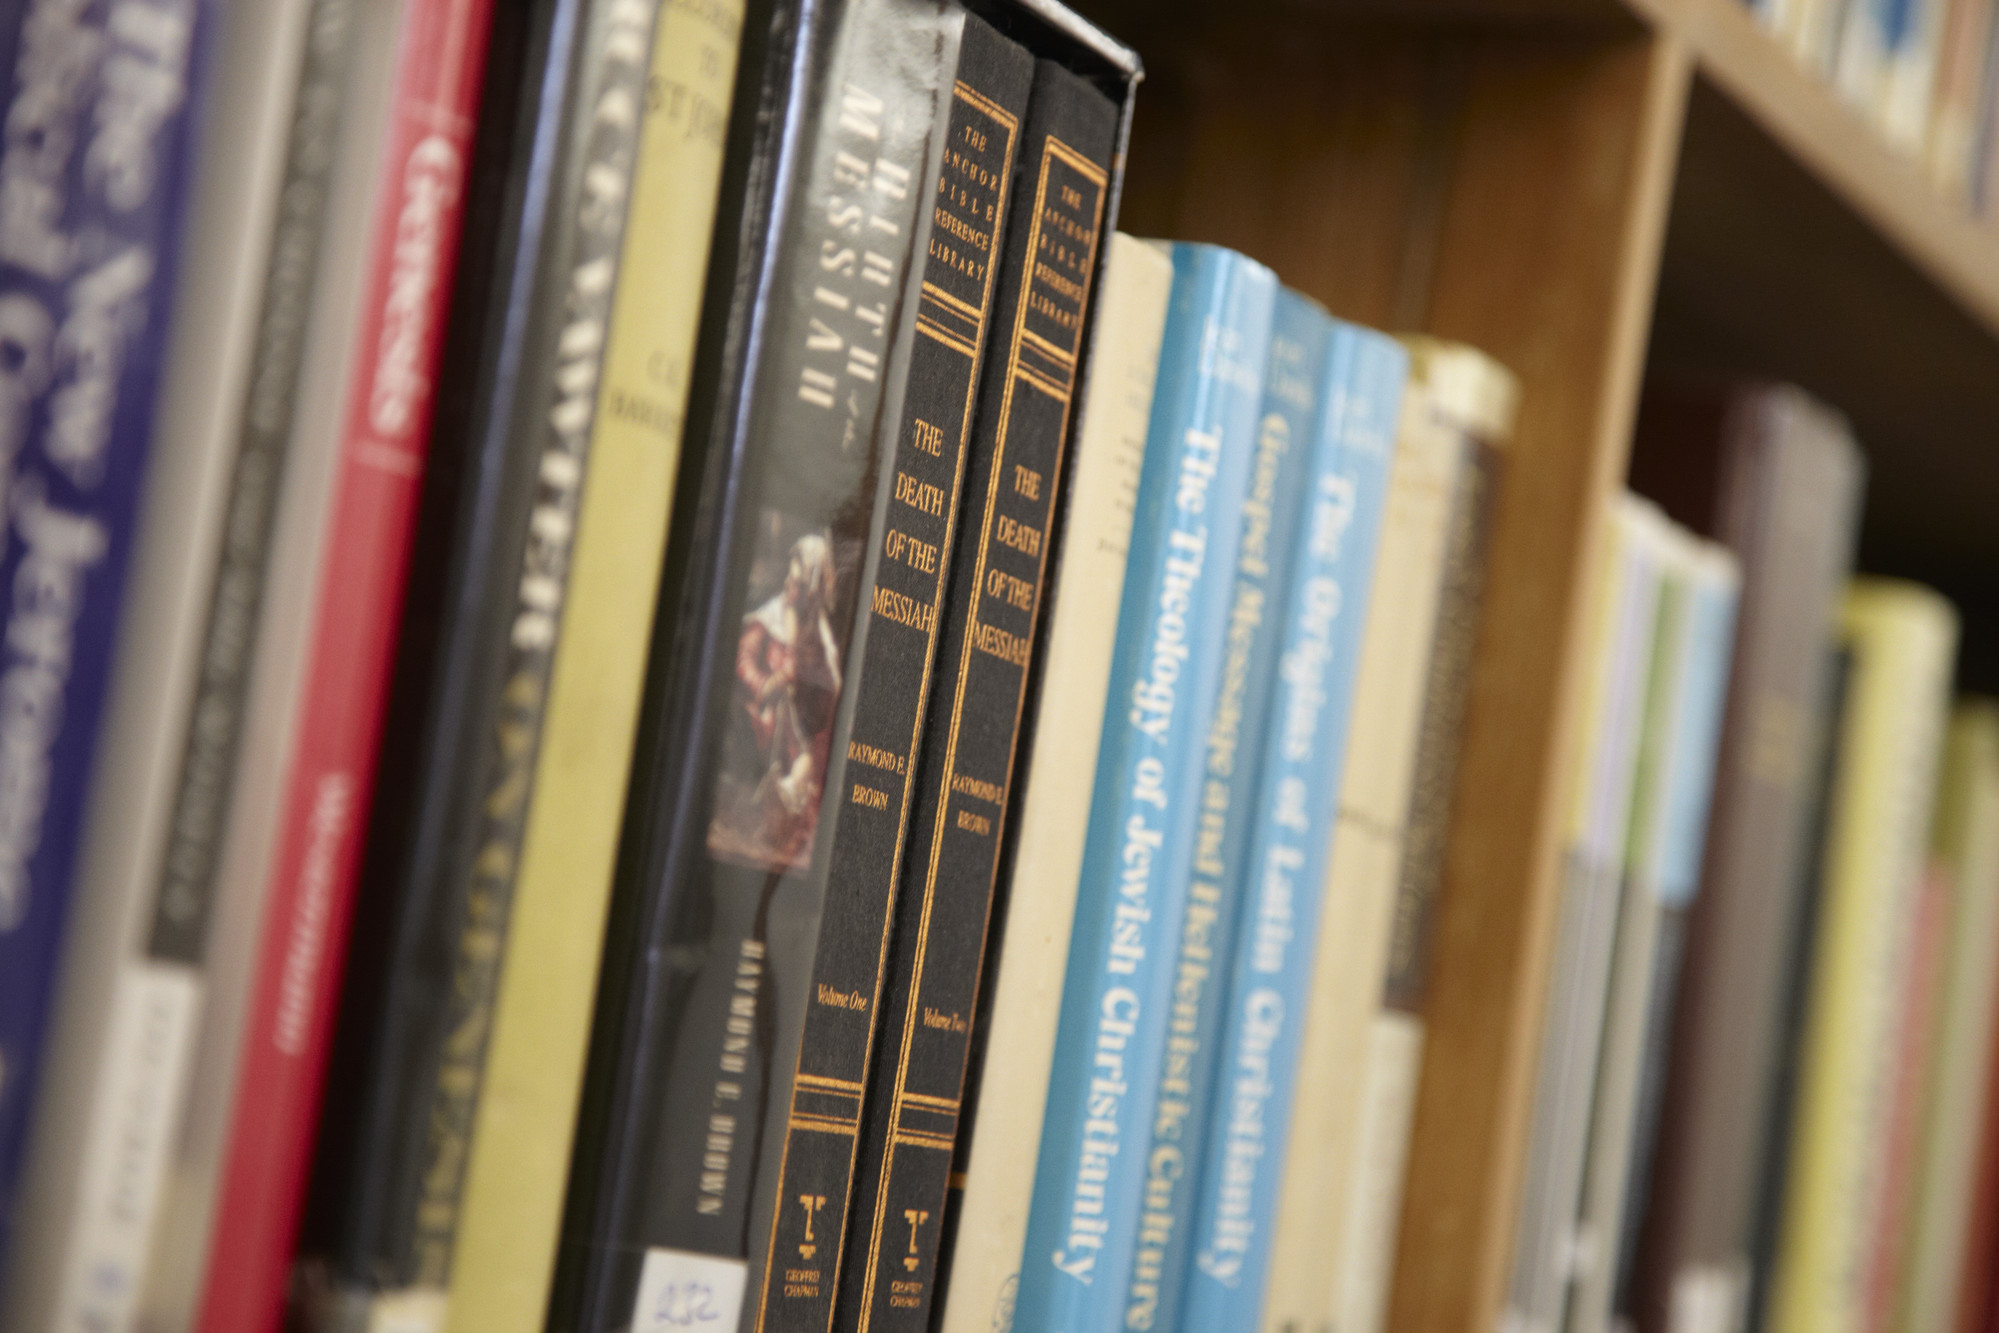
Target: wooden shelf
{"type": "Point", "coordinates": [1802, 114]}
{"type": "Point", "coordinates": [1799, 247]}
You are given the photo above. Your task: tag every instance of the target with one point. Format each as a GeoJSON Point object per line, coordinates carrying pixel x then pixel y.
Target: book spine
{"type": "Point", "coordinates": [1972, 840]}
{"type": "Point", "coordinates": [1676, 757]}
{"type": "Point", "coordinates": [87, 259]}
{"type": "Point", "coordinates": [1270, 971]}
{"type": "Point", "coordinates": [1813, 32]}
{"type": "Point", "coordinates": [1953, 132]}
{"type": "Point", "coordinates": [1747, 1287]}
{"type": "Point", "coordinates": [967, 761]}
{"type": "Point", "coordinates": [1608, 1076]}
{"type": "Point", "coordinates": [1132, 892]}
{"type": "Point", "coordinates": [354, 626]}
{"type": "Point", "coordinates": [1606, 764]}
{"type": "Point", "coordinates": [1713, 599]}
{"type": "Point", "coordinates": [159, 991]}
{"type": "Point", "coordinates": [752, 765]}
{"type": "Point", "coordinates": [1302, 404]}
{"type": "Point", "coordinates": [1966, 846]}
{"type": "Point", "coordinates": [1862, 47]}
{"type": "Point", "coordinates": [1984, 174]}
{"type": "Point", "coordinates": [1446, 695]}
{"type": "Point", "coordinates": [968, 756]}
{"type": "Point", "coordinates": [1910, 1070]}
{"type": "Point", "coordinates": [513, 1183]}
{"type": "Point", "coordinates": [1788, 470]}
{"type": "Point", "coordinates": [1906, 101]}
{"type": "Point", "coordinates": [1359, 891]}
{"type": "Point", "coordinates": [1394, 1044]}
{"type": "Point", "coordinates": [920, 544]}
{"type": "Point", "coordinates": [1903, 645]}
{"type": "Point", "coordinates": [1013, 1031]}
{"type": "Point", "coordinates": [483, 789]}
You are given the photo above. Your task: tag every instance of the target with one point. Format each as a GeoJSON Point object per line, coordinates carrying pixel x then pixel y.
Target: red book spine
{"type": "Point", "coordinates": [440, 62]}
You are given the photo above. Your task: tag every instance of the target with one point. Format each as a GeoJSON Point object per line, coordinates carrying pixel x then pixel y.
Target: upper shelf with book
{"type": "Point", "coordinates": [1806, 119]}
{"type": "Point", "coordinates": [1801, 246]}
{"type": "Point", "coordinates": [1796, 243]}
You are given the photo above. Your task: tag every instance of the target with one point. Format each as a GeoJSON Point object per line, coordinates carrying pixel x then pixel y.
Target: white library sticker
{"type": "Point", "coordinates": [678, 1290]}
{"type": "Point", "coordinates": [415, 1310]}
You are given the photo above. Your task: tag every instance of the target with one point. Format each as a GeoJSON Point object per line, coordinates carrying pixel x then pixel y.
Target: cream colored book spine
{"type": "Point", "coordinates": [1082, 631]}
{"type": "Point", "coordinates": [1340, 1282]}
{"type": "Point", "coordinates": [504, 1255]}
{"type": "Point", "coordinates": [1359, 893]}
{"type": "Point", "coordinates": [1902, 640]}
{"type": "Point", "coordinates": [1965, 844]}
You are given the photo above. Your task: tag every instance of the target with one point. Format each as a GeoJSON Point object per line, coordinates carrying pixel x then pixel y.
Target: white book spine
{"type": "Point", "coordinates": [1027, 996]}
{"type": "Point", "coordinates": [1366, 1261]}
{"type": "Point", "coordinates": [1910, 78]}
{"type": "Point", "coordinates": [1572, 1019]}
{"type": "Point", "coordinates": [148, 1054]}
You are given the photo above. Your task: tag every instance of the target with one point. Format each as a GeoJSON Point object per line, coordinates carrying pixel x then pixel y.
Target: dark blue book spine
{"type": "Point", "coordinates": [101, 98]}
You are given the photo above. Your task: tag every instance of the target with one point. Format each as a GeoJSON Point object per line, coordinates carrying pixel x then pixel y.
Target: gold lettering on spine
{"type": "Point", "coordinates": [616, 81]}
{"type": "Point", "coordinates": [1046, 367]}
{"type": "Point", "coordinates": [953, 323]}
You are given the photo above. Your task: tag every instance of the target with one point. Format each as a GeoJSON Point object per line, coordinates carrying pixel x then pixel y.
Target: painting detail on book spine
{"type": "Point", "coordinates": [916, 528]}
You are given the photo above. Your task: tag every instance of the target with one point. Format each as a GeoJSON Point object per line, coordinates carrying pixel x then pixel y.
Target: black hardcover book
{"type": "Point", "coordinates": [517, 411]}
{"type": "Point", "coordinates": [765, 685]}
{"type": "Point", "coordinates": [967, 763]}
{"type": "Point", "coordinates": [920, 549]}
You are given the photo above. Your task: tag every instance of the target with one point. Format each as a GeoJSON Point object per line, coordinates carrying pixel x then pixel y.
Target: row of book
{"type": "Point", "coordinates": [653, 682]}
{"type": "Point", "coordinates": [362, 590]}
{"type": "Point", "coordinates": [667, 794]}
{"type": "Point", "coordinates": [1923, 73]}
{"type": "Point", "coordinates": [1763, 1091]}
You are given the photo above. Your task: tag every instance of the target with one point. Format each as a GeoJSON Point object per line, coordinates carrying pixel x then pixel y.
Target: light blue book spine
{"type": "Point", "coordinates": [1301, 341]}
{"type": "Point", "coordinates": [1324, 611]}
{"type": "Point", "coordinates": [1131, 893]}
{"type": "Point", "coordinates": [1712, 595]}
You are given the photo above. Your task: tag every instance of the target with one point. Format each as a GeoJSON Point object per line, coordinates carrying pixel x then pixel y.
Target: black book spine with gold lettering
{"type": "Point", "coordinates": [523, 354]}
{"type": "Point", "coordinates": [967, 763]}
{"type": "Point", "coordinates": [789, 666]}
{"type": "Point", "coordinates": [918, 538]}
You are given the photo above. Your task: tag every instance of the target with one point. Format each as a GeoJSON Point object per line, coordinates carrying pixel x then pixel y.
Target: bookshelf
{"type": "Point", "coordinates": [1580, 187]}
